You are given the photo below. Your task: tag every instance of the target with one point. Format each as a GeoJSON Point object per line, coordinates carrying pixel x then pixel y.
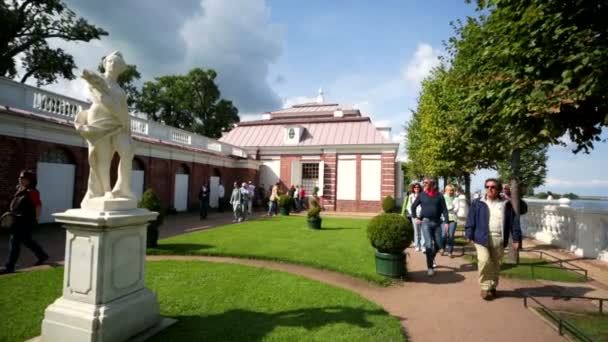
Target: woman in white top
{"type": "Point", "coordinates": [415, 189]}
{"type": "Point", "coordinates": [451, 202]}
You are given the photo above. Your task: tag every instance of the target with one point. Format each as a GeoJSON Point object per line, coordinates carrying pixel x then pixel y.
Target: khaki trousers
{"type": "Point", "coordinates": [488, 262]}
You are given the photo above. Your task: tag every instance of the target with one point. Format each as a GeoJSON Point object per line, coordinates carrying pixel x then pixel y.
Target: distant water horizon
{"type": "Point", "coordinates": [588, 204]}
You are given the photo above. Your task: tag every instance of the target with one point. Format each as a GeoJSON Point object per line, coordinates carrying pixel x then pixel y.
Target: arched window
{"type": "Point", "coordinates": [138, 164]}
{"type": "Point", "coordinates": [56, 156]}
{"type": "Point", "coordinates": [182, 170]}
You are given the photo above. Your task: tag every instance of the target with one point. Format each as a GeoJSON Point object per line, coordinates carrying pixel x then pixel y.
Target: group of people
{"type": "Point", "coordinates": [241, 200]}
{"type": "Point", "coordinates": [490, 222]}
{"type": "Point", "coordinates": [296, 192]}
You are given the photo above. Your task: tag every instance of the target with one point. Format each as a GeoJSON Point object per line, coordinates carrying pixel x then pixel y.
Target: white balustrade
{"type": "Point", "coordinates": [139, 126]}
{"type": "Point", "coordinates": [214, 146]}
{"type": "Point", "coordinates": [181, 137]}
{"type": "Point", "coordinates": [581, 231]}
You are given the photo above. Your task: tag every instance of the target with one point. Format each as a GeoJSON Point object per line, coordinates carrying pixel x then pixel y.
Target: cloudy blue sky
{"type": "Point", "coordinates": [273, 53]}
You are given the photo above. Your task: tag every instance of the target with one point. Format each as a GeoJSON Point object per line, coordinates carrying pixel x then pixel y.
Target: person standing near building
{"type": "Point", "coordinates": [220, 194]}
{"type": "Point", "coordinates": [245, 201]}
{"type": "Point", "coordinates": [273, 205]}
{"type": "Point", "coordinates": [432, 207]}
{"type": "Point", "coordinates": [296, 198]}
{"type": "Point", "coordinates": [303, 198]}
{"type": "Point", "coordinates": [415, 190]}
{"type": "Point", "coordinates": [236, 200]}
{"type": "Point", "coordinates": [451, 203]}
{"type": "Point", "coordinates": [490, 222]}
{"type": "Point", "coordinates": [203, 197]}
{"type": "Point", "coordinates": [250, 198]}
{"type": "Point", "coordinates": [25, 208]}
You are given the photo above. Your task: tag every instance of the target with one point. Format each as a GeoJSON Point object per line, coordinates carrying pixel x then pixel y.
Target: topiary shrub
{"type": "Point", "coordinates": [390, 233]}
{"type": "Point", "coordinates": [314, 212]}
{"type": "Point", "coordinates": [388, 204]}
{"type": "Point", "coordinates": [150, 201]}
{"type": "Point", "coordinates": [285, 201]}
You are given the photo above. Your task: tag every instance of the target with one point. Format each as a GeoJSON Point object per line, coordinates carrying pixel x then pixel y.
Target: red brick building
{"type": "Point", "coordinates": [325, 145]}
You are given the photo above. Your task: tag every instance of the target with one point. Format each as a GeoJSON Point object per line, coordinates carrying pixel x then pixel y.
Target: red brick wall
{"type": "Point", "coordinates": [329, 181]}
{"type": "Point", "coordinates": [17, 154]}
{"type": "Point", "coordinates": [388, 174]}
{"type": "Point", "coordinates": [359, 206]}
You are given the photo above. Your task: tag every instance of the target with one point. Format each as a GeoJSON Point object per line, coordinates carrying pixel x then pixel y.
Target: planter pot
{"type": "Point", "coordinates": [390, 265]}
{"type": "Point", "coordinates": [152, 236]}
{"type": "Point", "coordinates": [284, 211]}
{"type": "Point", "coordinates": [314, 223]}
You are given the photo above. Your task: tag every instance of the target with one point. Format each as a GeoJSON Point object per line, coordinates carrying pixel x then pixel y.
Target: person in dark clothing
{"type": "Point", "coordinates": [432, 207]}
{"type": "Point", "coordinates": [25, 209]}
{"type": "Point", "coordinates": [203, 197]}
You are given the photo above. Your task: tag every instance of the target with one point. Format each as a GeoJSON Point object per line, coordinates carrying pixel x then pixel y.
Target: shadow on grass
{"type": "Point", "coordinates": [240, 324]}
{"type": "Point", "coordinates": [337, 228]}
{"type": "Point", "coordinates": [177, 248]}
{"type": "Point", "coordinates": [552, 291]}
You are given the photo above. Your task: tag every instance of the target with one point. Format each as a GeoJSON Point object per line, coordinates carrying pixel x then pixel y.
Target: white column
{"type": "Point", "coordinates": [104, 296]}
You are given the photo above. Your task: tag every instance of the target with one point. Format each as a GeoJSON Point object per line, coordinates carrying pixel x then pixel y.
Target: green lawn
{"type": "Point", "coordinates": [534, 268]}
{"type": "Point", "coordinates": [218, 302]}
{"type": "Point", "coordinates": [341, 245]}
{"type": "Point", "coordinates": [593, 325]}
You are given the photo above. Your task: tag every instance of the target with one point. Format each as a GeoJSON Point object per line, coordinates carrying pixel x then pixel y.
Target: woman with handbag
{"type": "Point", "coordinates": [25, 211]}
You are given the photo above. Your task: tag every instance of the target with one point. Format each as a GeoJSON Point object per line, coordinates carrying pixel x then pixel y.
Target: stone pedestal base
{"type": "Point", "coordinates": [104, 297]}
{"type": "Point", "coordinates": [118, 320]}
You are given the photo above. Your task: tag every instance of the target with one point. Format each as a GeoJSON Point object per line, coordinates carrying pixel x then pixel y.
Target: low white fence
{"type": "Point", "coordinates": [581, 231]}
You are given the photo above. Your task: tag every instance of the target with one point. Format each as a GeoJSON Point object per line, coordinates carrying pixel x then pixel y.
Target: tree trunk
{"type": "Point", "coordinates": [445, 181]}
{"type": "Point", "coordinates": [467, 187]}
{"type": "Point", "coordinates": [513, 254]}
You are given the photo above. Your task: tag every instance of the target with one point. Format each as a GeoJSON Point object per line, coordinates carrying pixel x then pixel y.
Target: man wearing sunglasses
{"type": "Point", "coordinates": [490, 222]}
{"type": "Point", "coordinates": [432, 207]}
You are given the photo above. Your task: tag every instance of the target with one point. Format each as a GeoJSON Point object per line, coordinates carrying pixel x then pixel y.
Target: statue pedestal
{"type": "Point", "coordinates": [104, 297]}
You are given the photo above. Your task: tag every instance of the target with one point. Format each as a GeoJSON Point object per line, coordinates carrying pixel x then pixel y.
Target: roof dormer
{"type": "Point", "coordinates": [293, 134]}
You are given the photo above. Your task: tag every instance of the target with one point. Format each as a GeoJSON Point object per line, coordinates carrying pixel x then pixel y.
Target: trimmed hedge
{"type": "Point", "coordinates": [388, 204]}
{"type": "Point", "coordinates": [285, 201]}
{"type": "Point", "coordinates": [314, 212]}
{"type": "Point", "coordinates": [390, 233]}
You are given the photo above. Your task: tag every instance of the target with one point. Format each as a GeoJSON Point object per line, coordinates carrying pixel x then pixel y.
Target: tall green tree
{"type": "Point", "coordinates": [532, 172]}
{"type": "Point", "coordinates": [26, 26]}
{"type": "Point", "coordinates": [126, 81]}
{"type": "Point", "coordinates": [191, 102]}
{"type": "Point", "coordinates": [534, 71]}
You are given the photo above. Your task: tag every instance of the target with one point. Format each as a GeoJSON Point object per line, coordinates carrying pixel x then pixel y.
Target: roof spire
{"type": "Point", "coordinates": [320, 98]}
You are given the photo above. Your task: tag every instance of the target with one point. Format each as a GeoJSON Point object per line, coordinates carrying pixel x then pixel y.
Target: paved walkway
{"type": "Point", "coordinates": [444, 307]}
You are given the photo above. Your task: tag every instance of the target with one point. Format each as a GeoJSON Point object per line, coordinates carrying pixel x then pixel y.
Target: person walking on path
{"type": "Point", "coordinates": [432, 207]}
{"type": "Point", "coordinates": [250, 197]}
{"type": "Point", "coordinates": [244, 201]}
{"type": "Point", "coordinates": [236, 200]}
{"type": "Point", "coordinates": [415, 189]}
{"type": "Point", "coordinates": [25, 208]}
{"type": "Point", "coordinates": [274, 198]}
{"type": "Point", "coordinates": [221, 192]}
{"type": "Point", "coordinates": [490, 222]}
{"type": "Point", "coordinates": [451, 203]}
{"type": "Point", "coordinates": [203, 197]}
{"type": "Point", "coordinates": [296, 199]}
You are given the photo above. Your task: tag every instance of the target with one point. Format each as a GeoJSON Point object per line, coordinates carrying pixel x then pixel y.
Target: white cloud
{"type": "Point", "coordinates": [236, 38]}
{"type": "Point", "coordinates": [382, 123]}
{"type": "Point", "coordinates": [425, 59]}
{"type": "Point", "coordinates": [291, 101]}
{"type": "Point", "coordinates": [250, 117]}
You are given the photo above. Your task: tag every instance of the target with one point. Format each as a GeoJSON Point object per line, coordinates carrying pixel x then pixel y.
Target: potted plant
{"type": "Point", "coordinates": [390, 234]}
{"type": "Point", "coordinates": [388, 204]}
{"type": "Point", "coordinates": [314, 217]}
{"type": "Point", "coordinates": [150, 201]}
{"type": "Point", "coordinates": [285, 204]}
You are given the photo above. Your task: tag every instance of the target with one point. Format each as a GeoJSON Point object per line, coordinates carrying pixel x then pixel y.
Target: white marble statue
{"type": "Point", "coordinates": [107, 129]}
